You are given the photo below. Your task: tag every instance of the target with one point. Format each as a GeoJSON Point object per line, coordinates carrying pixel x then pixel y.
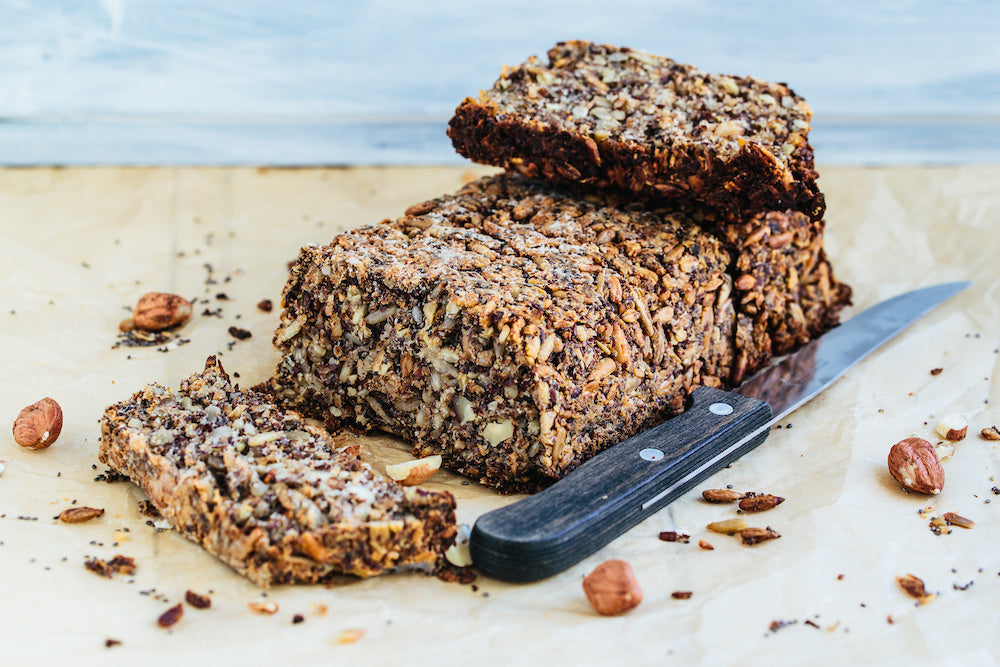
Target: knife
{"type": "Point", "coordinates": [548, 532]}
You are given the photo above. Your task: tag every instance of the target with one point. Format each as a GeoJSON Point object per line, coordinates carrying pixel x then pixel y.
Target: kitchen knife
{"type": "Point", "coordinates": [548, 532]}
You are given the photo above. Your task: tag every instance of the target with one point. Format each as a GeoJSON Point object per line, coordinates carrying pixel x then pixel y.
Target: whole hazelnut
{"type": "Point", "coordinates": [612, 588]}
{"type": "Point", "coordinates": [914, 463]}
{"type": "Point", "coordinates": [156, 311]}
{"type": "Point", "coordinates": [39, 424]}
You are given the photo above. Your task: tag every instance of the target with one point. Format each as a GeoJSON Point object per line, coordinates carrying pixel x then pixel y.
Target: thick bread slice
{"type": "Point", "coordinates": [610, 116]}
{"type": "Point", "coordinates": [263, 490]}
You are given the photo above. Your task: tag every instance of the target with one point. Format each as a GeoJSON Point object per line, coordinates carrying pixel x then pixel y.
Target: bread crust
{"type": "Point", "coordinates": [613, 117]}
{"type": "Point", "coordinates": [517, 329]}
{"type": "Point", "coordinates": [264, 491]}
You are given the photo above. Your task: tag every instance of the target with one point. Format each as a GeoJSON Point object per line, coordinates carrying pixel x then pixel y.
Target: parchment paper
{"type": "Point", "coordinates": [80, 245]}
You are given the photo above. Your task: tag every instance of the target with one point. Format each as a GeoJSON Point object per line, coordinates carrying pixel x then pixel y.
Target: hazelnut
{"type": "Point", "coordinates": [459, 554]}
{"type": "Point", "coordinates": [914, 463]}
{"type": "Point", "coordinates": [612, 588]}
{"type": "Point", "coordinates": [158, 310]}
{"type": "Point", "coordinates": [417, 471]}
{"type": "Point", "coordinates": [952, 427]}
{"type": "Point", "coordinates": [39, 424]}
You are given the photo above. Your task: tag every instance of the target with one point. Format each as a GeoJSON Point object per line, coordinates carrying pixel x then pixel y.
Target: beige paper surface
{"type": "Point", "coordinates": [79, 246]}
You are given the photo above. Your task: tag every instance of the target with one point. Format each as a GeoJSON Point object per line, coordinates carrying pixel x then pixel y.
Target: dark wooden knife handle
{"type": "Point", "coordinates": [548, 532]}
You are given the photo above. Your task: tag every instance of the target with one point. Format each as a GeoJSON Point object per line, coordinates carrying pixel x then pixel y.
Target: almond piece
{"type": "Point", "coordinates": [728, 526]}
{"type": "Point", "coordinates": [914, 463]}
{"type": "Point", "coordinates": [721, 495]}
{"type": "Point", "coordinates": [156, 311]}
{"type": "Point", "coordinates": [914, 587]}
{"type": "Point", "coordinates": [952, 427]}
{"type": "Point", "coordinates": [760, 503]}
{"type": "Point", "coordinates": [38, 425]}
{"type": "Point", "coordinates": [417, 471]}
{"type": "Point", "coordinates": [612, 588]}
{"type": "Point", "coordinates": [80, 514]}
{"type": "Point", "coordinates": [958, 520]}
{"type": "Point", "coordinates": [752, 536]}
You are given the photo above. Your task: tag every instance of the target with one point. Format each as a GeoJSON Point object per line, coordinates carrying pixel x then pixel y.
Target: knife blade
{"type": "Point", "coordinates": [554, 529]}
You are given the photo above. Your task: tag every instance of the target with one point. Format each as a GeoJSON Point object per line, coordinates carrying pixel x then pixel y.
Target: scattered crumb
{"type": "Point", "coordinates": [269, 608]}
{"type": "Point", "coordinates": [239, 334]}
{"type": "Point", "coordinates": [350, 636]}
{"type": "Point", "coordinates": [117, 565]}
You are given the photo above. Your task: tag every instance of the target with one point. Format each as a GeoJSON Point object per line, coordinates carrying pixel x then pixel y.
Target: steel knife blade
{"type": "Point", "coordinates": [554, 529]}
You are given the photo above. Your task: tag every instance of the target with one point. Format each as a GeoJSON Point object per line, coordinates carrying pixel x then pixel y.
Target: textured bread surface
{"type": "Point", "coordinates": [517, 329]}
{"type": "Point", "coordinates": [264, 491]}
{"type": "Point", "coordinates": [611, 116]}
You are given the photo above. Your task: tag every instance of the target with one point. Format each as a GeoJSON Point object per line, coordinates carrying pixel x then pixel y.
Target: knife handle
{"type": "Point", "coordinates": [548, 532]}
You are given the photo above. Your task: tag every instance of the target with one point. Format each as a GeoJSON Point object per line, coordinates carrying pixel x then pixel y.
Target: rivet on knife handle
{"type": "Point", "coordinates": [546, 533]}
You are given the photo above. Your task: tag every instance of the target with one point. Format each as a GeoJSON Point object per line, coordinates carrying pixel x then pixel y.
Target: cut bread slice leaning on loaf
{"type": "Point", "coordinates": [610, 116]}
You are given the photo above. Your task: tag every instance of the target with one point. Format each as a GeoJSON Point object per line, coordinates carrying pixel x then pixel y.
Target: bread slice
{"type": "Point", "coordinates": [610, 116]}
{"type": "Point", "coordinates": [264, 491]}
{"type": "Point", "coordinates": [517, 329]}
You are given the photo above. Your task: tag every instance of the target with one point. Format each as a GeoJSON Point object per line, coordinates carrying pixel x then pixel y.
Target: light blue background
{"type": "Point", "coordinates": [311, 82]}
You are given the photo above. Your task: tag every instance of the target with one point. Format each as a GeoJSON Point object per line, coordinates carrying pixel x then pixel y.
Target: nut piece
{"type": "Point", "coordinates": [958, 520]}
{"type": "Point", "coordinates": [417, 471]}
{"type": "Point", "coordinates": [721, 495]}
{"type": "Point", "coordinates": [39, 424]}
{"type": "Point", "coordinates": [458, 554]}
{"type": "Point", "coordinates": [351, 635]}
{"type": "Point", "coordinates": [952, 427]}
{"type": "Point", "coordinates": [681, 595]}
{"type": "Point", "coordinates": [914, 463]}
{"type": "Point", "coordinates": [914, 587]}
{"type": "Point", "coordinates": [706, 545]}
{"type": "Point", "coordinates": [197, 600]}
{"type": "Point", "coordinates": [727, 526]}
{"type": "Point", "coordinates": [752, 536]}
{"type": "Point", "coordinates": [990, 433]}
{"type": "Point", "coordinates": [80, 514]}
{"type": "Point", "coordinates": [171, 616]}
{"type": "Point", "coordinates": [674, 536]}
{"type": "Point", "coordinates": [760, 503]}
{"type": "Point", "coordinates": [269, 608]}
{"type": "Point", "coordinates": [612, 589]}
{"type": "Point", "coordinates": [158, 310]}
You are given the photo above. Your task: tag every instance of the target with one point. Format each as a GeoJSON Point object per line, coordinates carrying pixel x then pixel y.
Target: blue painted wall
{"type": "Point", "coordinates": [312, 82]}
